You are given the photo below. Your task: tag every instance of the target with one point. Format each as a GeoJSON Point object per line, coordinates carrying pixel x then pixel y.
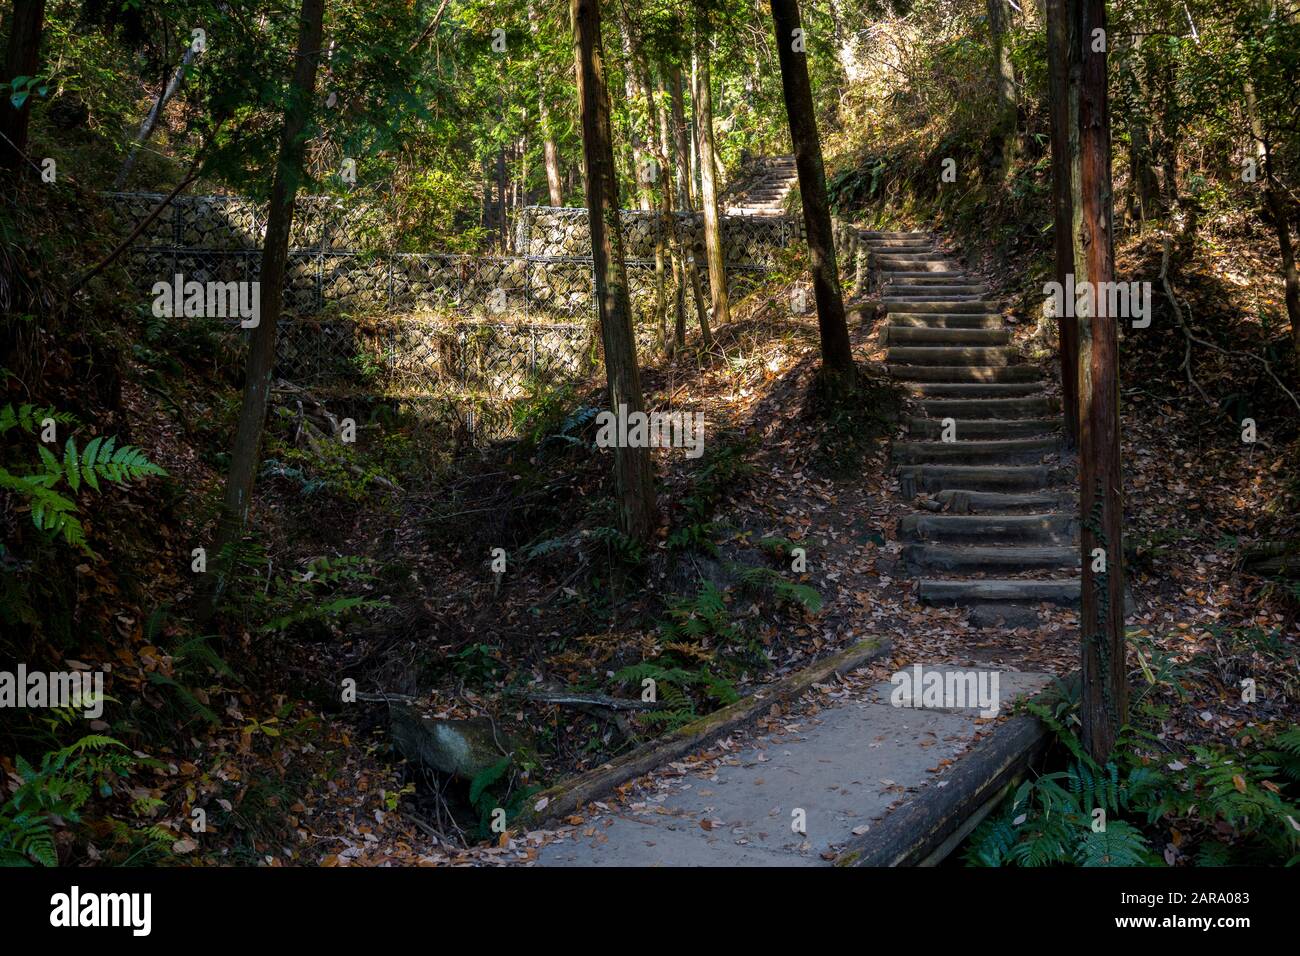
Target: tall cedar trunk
{"type": "Point", "coordinates": [703, 97]}
{"type": "Point", "coordinates": [1277, 211]}
{"type": "Point", "coordinates": [634, 477]}
{"type": "Point", "coordinates": [275, 252]}
{"type": "Point", "coordinates": [669, 219]}
{"type": "Point", "coordinates": [837, 352]}
{"type": "Point", "coordinates": [147, 127]}
{"type": "Point", "coordinates": [1005, 77]}
{"type": "Point", "coordinates": [1058, 96]}
{"type": "Point", "coordinates": [1104, 699]}
{"type": "Point", "coordinates": [501, 197]}
{"type": "Point", "coordinates": [682, 142]}
{"type": "Point", "coordinates": [21, 59]}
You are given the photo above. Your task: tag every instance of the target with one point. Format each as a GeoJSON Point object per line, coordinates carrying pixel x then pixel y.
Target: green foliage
{"type": "Point", "coordinates": [766, 581]}
{"type": "Point", "coordinates": [673, 683]}
{"type": "Point", "coordinates": [1228, 804]}
{"type": "Point", "coordinates": [58, 787]}
{"type": "Point", "coordinates": [700, 617]}
{"type": "Point", "coordinates": [720, 473]}
{"type": "Point", "coordinates": [54, 511]}
{"type": "Point", "coordinates": [497, 787]}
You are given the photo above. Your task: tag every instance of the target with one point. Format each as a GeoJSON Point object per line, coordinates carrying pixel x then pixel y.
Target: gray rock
{"type": "Point", "coordinates": [461, 748]}
{"type": "Point", "coordinates": [1009, 616]}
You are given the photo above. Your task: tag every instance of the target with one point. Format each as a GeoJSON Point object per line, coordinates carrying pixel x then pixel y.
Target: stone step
{"type": "Point", "coordinates": [938, 320]}
{"type": "Point", "coordinates": [897, 249]}
{"type": "Point", "coordinates": [987, 408]}
{"type": "Point", "coordinates": [969, 374]}
{"type": "Point", "coordinates": [973, 451]}
{"type": "Point", "coordinates": [1003, 478]}
{"type": "Point", "coordinates": [952, 355]}
{"type": "Point", "coordinates": [994, 591]}
{"type": "Point", "coordinates": [968, 429]}
{"type": "Point", "coordinates": [1052, 528]}
{"type": "Point", "coordinates": [921, 335]}
{"type": "Point", "coordinates": [995, 502]}
{"type": "Point", "coordinates": [978, 390]}
{"type": "Point", "coordinates": [919, 558]}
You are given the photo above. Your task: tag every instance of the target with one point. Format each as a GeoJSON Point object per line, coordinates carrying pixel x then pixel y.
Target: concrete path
{"type": "Point", "coordinates": [845, 767]}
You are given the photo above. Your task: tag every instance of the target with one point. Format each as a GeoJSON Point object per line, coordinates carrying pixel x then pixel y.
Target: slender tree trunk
{"type": "Point", "coordinates": [22, 58]}
{"type": "Point", "coordinates": [837, 352]}
{"type": "Point", "coordinates": [502, 227]}
{"type": "Point", "coordinates": [1277, 211]}
{"type": "Point", "coordinates": [703, 96]}
{"type": "Point", "coordinates": [275, 253]}
{"type": "Point", "coordinates": [1005, 77]}
{"type": "Point", "coordinates": [668, 220]}
{"type": "Point", "coordinates": [1058, 76]}
{"type": "Point", "coordinates": [1104, 699]}
{"type": "Point", "coordinates": [147, 127]}
{"type": "Point", "coordinates": [683, 142]}
{"type": "Point", "coordinates": [551, 153]}
{"type": "Point", "coordinates": [634, 476]}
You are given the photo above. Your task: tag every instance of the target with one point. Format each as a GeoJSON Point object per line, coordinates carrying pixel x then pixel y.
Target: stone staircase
{"type": "Point", "coordinates": [996, 524]}
{"type": "Point", "coordinates": [766, 195]}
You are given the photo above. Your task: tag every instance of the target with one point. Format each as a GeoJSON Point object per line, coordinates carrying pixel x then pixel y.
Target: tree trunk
{"type": "Point", "coordinates": [150, 121]}
{"type": "Point", "coordinates": [634, 477]}
{"type": "Point", "coordinates": [1005, 78]}
{"type": "Point", "coordinates": [671, 202]}
{"type": "Point", "coordinates": [1277, 210]}
{"type": "Point", "coordinates": [1059, 92]}
{"type": "Point", "coordinates": [551, 153]}
{"type": "Point", "coordinates": [683, 143]}
{"type": "Point", "coordinates": [703, 97]}
{"type": "Point", "coordinates": [275, 252]}
{"type": "Point", "coordinates": [837, 352]}
{"type": "Point", "coordinates": [21, 59]}
{"type": "Point", "coordinates": [1104, 700]}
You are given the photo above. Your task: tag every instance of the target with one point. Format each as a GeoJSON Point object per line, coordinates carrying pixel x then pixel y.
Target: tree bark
{"type": "Point", "coordinates": [150, 121]}
{"type": "Point", "coordinates": [837, 352]}
{"type": "Point", "coordinates": [275, 253]}
{"type": "Point", "coordinates": [682, 146]}
{"type": "Point", "coordinates": [551, 153]}
{"type": "Point", "coordinates": [634, 477]}
{"type": "Point", "coordinates": [22, 58]}
{"type": "Point", "coordinates": [703, 97]}
{"type": "Point", "coordinates": [1005, 79]}
{"type": "Point", "coordinates": [1104, 700]}
{"type": "Point", "coordinates": [1276, 204]}
{"type": "Point", "coordinates": [1059, 92]}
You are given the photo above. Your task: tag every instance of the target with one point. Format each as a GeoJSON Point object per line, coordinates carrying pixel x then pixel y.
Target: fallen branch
{"type": "Point", "coordinates": [565, 698]}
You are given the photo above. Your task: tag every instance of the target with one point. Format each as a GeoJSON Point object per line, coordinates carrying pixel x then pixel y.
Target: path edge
{"type": "Point", "coordinates": [569, 794]}
{"type": "Point", "coordinates": [913, 834]}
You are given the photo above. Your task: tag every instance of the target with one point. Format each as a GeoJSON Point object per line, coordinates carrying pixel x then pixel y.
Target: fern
{"type": "Point", "coordinates": [1120, 844]}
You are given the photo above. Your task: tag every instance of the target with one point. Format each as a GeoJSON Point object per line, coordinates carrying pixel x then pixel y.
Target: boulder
{"type": "Point", "coordinates": [460, 748]}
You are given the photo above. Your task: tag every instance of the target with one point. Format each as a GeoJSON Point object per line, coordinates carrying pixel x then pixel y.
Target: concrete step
{"type": "Point", "coordinates": [901, 248]}
{"type": "Point", "coordinates": [920, 558]}
{"type": "Point", "coordinates": [922, 335]}
{"type": "Point", "coordinates": [972, 451]}
{"type": "Point", "coordinates": [952, 275]}
{"type": "Point", "coordinates": [983, 429]}
{"type": "Point", "coordinates": [878, 234]}
{"type": "Point", "coordinates": [988, 408]}
{"type": "Point", "coordinates": [990, 529]}
{"type": "Point", "coordinates": [947, 355]}
{"type": "Point", "coordinates": [938, 320]}
{"type": "Point", "coordinates": [996, 502]}
{"type": "Point", "coordinates": [1002, 478]}
{"type": "Point", "coordinates": [970, 374]}
{"type": "Point", "coordinates": [968, 429]}
{"type": "Point", "coordinates": [950, 306]}
{"type": "Point", "coordinates": [993, 591]}
{"type": "Point", "coordinates": [887, 266]}
{"type": "Point", "coordinates": [942, 291]}
{"type": "Point", "coordinates": [977, 390]}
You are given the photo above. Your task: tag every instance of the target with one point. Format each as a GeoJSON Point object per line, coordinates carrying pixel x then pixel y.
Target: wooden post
{"type": "Point", "coordinates": [1104, 699]}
